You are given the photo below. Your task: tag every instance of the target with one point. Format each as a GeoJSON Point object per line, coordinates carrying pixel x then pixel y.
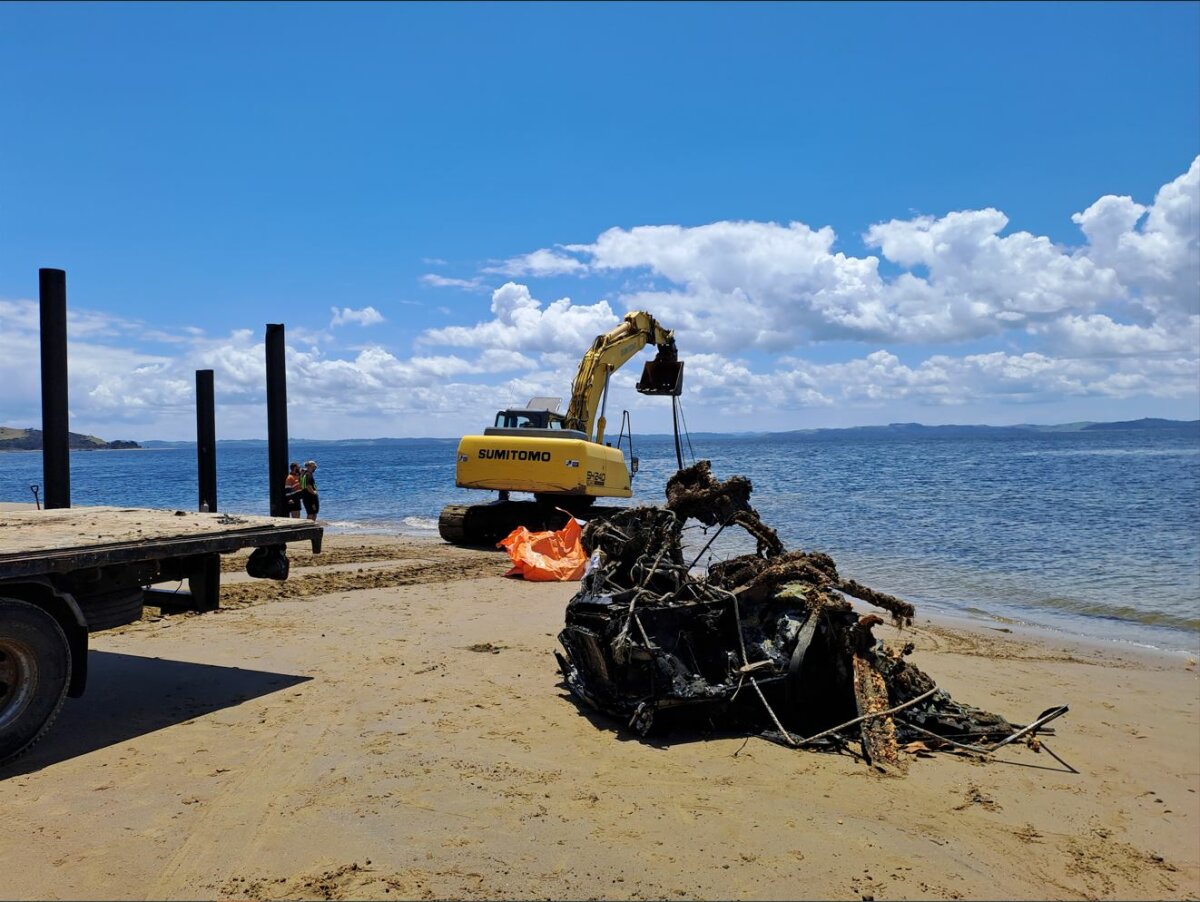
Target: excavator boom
{"type": "Point", "coordinates": [608, 353]}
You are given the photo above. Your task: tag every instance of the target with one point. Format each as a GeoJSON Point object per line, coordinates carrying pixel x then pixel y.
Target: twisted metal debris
{"type": "Point", "coordinates": [765, 642]}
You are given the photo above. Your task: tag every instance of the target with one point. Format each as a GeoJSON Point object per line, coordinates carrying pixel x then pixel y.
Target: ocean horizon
{"type": "Point", "coordinates": [888, 428]}
{"type": "Point", "coordinates": [908, 428]}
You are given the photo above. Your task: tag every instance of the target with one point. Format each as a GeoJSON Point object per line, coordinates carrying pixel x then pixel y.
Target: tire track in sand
{"type": "Point", "coordinates": [204, 860]}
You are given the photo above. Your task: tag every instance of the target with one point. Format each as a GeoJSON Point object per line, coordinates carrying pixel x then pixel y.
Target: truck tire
{"type": "Point", "coordinates": [35, 670]}
{"type": "Point", "coordinates": [113, 608]}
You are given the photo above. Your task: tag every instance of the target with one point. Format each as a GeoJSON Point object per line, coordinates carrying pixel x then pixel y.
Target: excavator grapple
{"type": "Point", "coordinates": [663, 375]}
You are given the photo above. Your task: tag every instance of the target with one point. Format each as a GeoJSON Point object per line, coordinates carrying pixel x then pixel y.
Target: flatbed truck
{"type": "Point", "coordinates": [69, 572]}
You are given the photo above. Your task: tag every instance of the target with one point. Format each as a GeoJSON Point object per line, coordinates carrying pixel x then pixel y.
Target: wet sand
{"type": "Point", "coordinates": [391, 723]}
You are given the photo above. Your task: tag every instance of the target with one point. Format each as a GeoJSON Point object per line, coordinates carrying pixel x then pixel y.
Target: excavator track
{"type": "Point", "coordinates": [487, 524]}
{"type": "Point", "coordinates": [451, 523]}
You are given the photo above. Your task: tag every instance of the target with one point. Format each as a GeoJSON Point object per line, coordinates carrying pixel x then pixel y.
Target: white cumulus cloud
{"type": "Point", "coordinates": [777, 326]}
{"type": "Point", "coordinates": [520, 323]}
{"type": "Point", "coordinates": [1154, 250]}
{"type": "Point", "coordinates": [542, 262]}
{"type": "Point", "coordinates": [433, 279]}
{"type": "Point", "coordinates": [367, 316]}
{"type": "Point", "coordinates": [737, 285]}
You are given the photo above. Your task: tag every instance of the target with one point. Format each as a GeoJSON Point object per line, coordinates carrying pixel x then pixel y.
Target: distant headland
{"type": "Point", "coordinates": [31, 440]}
{"type": "Point", "coordinates": [1144, 424]}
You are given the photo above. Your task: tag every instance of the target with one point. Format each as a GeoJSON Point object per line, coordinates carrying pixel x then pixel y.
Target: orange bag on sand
{"type": "Point", "coordinates": [546, 556]}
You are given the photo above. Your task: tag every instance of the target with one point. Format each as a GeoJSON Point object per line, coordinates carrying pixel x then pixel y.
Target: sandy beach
{"type": "Point", "coordinates": [390, 723]}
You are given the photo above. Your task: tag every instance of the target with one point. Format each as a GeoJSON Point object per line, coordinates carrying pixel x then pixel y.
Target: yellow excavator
{"type": "Point", "coordinates": [557, 457]}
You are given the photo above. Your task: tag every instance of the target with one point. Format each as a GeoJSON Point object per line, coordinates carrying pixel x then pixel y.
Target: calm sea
{"type": "Point", "coordinates": [1094, 533]}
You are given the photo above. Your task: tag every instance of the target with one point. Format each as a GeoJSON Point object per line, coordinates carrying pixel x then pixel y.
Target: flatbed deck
{"type": "Point", "coordinates": [69, 572]}
{"type": "Point", "coordinates": [54, 541]}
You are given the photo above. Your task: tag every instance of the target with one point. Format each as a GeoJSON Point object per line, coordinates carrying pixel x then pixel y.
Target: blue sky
{"type": "Point", "coordinates": [850, 213]}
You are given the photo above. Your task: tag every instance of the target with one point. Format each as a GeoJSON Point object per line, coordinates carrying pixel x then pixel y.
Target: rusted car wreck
{"type": "Point", "coordinates": [766, 643]}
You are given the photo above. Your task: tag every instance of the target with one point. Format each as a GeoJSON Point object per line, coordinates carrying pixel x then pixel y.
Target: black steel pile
{"type": "Point", "coordinates": [766, 642]}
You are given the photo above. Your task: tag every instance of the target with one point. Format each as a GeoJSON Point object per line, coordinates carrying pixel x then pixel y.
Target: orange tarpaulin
{"type": "Point", "coordinates": [546, 556]}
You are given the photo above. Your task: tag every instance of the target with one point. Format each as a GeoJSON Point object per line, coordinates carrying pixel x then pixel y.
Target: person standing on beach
{"type": "Point", "coordinates": [292, 490]}
{"type": "Point", "coordinates": [308, 485]}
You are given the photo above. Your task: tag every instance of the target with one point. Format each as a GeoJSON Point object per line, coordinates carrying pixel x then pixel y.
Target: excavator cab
{"type": "Point", "coordinates": [539, 413]}
{"type": "Point", "coordinates": [663, 375]}
{"type": "Point", "coordinates": [525, 419]}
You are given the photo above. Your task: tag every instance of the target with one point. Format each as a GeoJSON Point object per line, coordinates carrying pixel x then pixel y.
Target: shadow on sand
{"type": "Point", "coordinates": [129, 695]}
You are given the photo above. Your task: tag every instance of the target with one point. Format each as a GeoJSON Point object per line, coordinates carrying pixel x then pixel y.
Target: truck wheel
{"type": "Point", "coordinates": [35, 670]}
{"type": "Point", "coordinates": [113, 608]}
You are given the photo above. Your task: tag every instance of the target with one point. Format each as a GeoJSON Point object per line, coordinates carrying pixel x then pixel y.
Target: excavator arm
{"type": "Point", "coordinates": [608, 353]}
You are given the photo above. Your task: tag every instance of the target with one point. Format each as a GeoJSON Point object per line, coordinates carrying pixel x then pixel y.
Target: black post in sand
{"type": "Point", "coordinates": [277, 425]}
{"type": "Point", "coordinates": [56, 454]}
{"type": "Point", "coordinates": [206, 441]}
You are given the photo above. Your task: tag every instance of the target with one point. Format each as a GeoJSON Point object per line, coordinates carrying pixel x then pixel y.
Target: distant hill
{"type": "Point", "coordinates": [1144, 423]}
{"type": "Point", "coordinates": [1150, 424]}
{"type": "Point", "coordinates": [31, 440]}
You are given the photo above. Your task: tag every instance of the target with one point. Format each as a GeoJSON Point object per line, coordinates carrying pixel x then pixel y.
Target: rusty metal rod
{"type": "Point", "coordinates": [737, 616]}
{"type": "Point", "coordinates": [720, 530]}
{"type": "Point", "coordinates": [1046, 749]}
{"type": "Point", "coordinates": [786, 735]}
{"type": "Point", "coordinates": [978, 749]}
{"type": "Point", "coordinates": [1045, 718]}
{"type": "Point", "coordinates": [892, 710]}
